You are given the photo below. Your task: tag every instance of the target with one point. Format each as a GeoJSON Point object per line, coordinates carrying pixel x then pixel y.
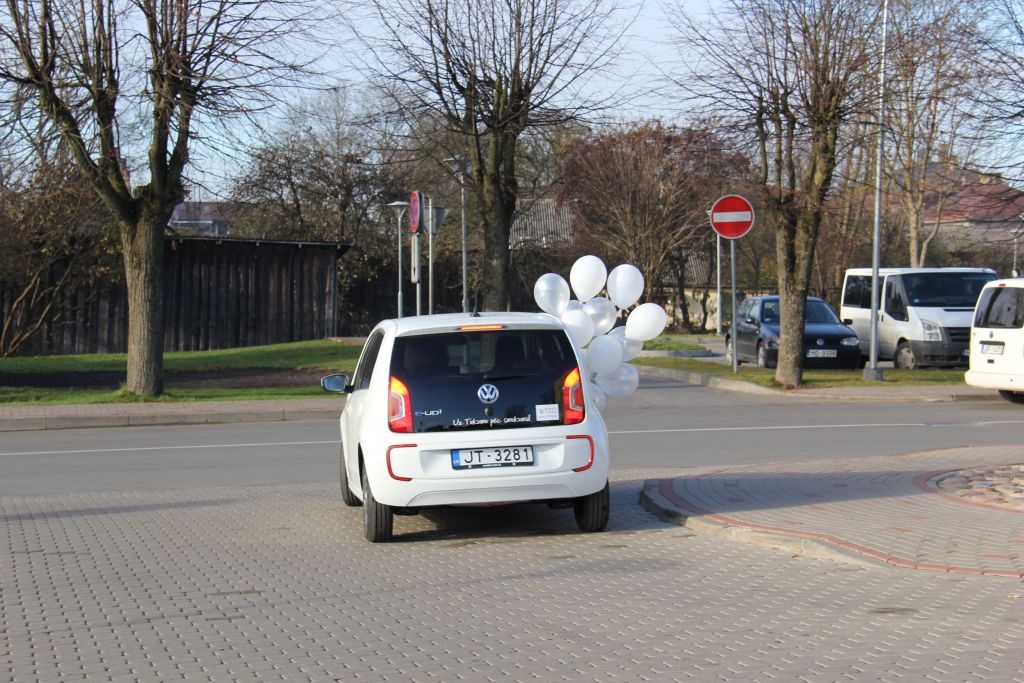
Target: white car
{"type": "Point", "coordinates": [464, 409]}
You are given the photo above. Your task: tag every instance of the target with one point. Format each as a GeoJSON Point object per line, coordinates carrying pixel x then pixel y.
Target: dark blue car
{"type": "Point", "coordinates": [828, 343]}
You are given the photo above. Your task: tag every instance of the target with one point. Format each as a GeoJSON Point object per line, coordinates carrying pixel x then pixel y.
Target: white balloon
{"type": "Point", "coordinates": [625, 285]}
{"type": "Point", "coordinates": [646, 321]}
{"type": "Point", "coordinates": [631, 348]}
{"type": "Point", "coordinates": [604, 354]}
{"type": "Point", "coordinates": [587, 276]}
{"type": "Point", "coordinates": [620, 382]}
{"type": "Point", "coordinates": [574, 305]}
{"type": "Point", "coordinates": [551, 292]}
{"type": "Point", "coordinates": [602, 312]}
{"type": "Point", "coordinates": [598, 397]}
{"type": "Point", "coordinates": [579, 324]}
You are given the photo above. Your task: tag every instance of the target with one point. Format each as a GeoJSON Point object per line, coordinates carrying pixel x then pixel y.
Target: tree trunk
{"type": "Point", "coordinates": [143, 246]}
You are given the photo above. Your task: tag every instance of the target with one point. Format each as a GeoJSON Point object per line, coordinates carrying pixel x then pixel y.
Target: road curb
{"type": "Point", "coordinates": [654, 502]}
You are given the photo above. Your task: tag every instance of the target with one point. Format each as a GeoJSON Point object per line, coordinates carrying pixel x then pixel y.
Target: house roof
{"type": "Point", "coordinates": [543, 223]}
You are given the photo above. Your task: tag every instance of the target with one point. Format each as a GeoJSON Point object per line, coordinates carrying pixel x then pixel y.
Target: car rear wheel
{"type": "Point", "coordinates": [378, 519]}
{"type": "Point", "coordinates": [904, 357]}
{"type": "Point", "coordinates": [592, 511]}
{"type": "Point", "coordinates": [1012, 396]}
{"type": "Point", "coordinates": [347, 497]}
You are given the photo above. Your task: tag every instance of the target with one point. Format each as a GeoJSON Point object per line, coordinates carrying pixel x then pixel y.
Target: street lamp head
{"type": "Point", "coordinates": [459, 164]}
{"type": "Point", "coordinates": [399, 208]}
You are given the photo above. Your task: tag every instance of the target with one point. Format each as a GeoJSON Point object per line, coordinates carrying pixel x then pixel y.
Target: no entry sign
{"type": "Point", "coordinates": [732, 216]}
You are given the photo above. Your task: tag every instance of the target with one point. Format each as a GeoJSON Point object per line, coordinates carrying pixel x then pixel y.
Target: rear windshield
{"type": "Point", "coordinates": [1000, 308]}
{"type": "Point", "coordinates": [484, 380]}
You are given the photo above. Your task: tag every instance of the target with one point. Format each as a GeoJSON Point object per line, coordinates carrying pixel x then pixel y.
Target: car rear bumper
{"type": "Point", "coordinates": [994, 380]}
{"type": "Point", "coordinates": [416, 470]}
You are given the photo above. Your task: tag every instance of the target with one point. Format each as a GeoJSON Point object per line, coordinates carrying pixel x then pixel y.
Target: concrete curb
{"type": "Point", "coordinates": [652, 501]}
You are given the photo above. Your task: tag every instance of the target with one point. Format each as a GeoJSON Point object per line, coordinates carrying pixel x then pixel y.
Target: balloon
{"type": "Point", "coordinates": [625, 285]}
{"type": "Point", "coordinates": [631, 348]}
{"type": "Point", "coordinates": [574, 305]}
{"type": "Point", "coordinates": [604, 354]}
{"type": "Point", "coordinates": [580, 326]}
{"type": "Point", "coordinates": [551, 292]}
{"type": "Point", "coordinates": [646, 321]}
{"type": "Point", "coordinates": [587, 276]}
{"type": "Point", "coordinates": [620, 382]}
{"type": "Point", "coordinates": [602, 312]}
{"type": "Point", "coordinates": [598, 397]}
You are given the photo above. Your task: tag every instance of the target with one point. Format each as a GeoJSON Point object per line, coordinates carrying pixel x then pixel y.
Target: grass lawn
{"type": "Point", "coordinates": [327, 355]}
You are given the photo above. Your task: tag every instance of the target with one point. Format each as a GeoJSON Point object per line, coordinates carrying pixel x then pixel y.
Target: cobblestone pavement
{"type": "Point", "coordinates": [275, 583]}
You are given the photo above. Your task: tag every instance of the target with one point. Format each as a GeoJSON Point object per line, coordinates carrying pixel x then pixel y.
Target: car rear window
{"type": "Point", "coordinates": [484, 380]}
{"type": "Point", "coordinates": [1000, 308]}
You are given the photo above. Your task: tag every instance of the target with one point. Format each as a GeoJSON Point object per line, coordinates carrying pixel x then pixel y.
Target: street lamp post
{"type": "Point", "coordinates": [399, 209]}
{"type": "Point", "coordinates": [461, 166]}
{"type": "Point", "coordinates": [873, 373]}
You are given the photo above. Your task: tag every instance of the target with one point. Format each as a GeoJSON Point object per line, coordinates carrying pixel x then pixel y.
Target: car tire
{"type": "Point", "coordinates": [378, 519]}
{"type": "Point", "coordinates": [592, 511]}
{"type": "Point", "coordinates": [729, 351]}
{"type": "Point", "coordinates": [350, 499]}
{"type": "Point", "coordinates": [904, 359]}
{"type": "Point", "coordinates": [1012, 396]}
{"type": "Point", "coordinates": [762, 355]}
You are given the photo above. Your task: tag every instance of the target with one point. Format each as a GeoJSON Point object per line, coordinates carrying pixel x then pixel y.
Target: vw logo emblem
{"type": "Point", "coordinates": [487, 393]}
{"type": "Point", "coordinates": [820, 342]}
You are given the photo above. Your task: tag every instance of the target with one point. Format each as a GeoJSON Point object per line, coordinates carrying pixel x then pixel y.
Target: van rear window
{"type": "Point", "coordinates": [1000, 308]}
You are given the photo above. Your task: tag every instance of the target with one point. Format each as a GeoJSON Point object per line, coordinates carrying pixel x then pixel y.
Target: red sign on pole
{"type": "Point", "coordinates": [732, 216]}
{"type": "Point", "coordinates": [415, 212]}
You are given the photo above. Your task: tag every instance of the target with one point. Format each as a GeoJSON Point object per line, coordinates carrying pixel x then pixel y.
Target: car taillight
{"type": "Point", "coordinates": [399, 407]}
{"type": "Point", "coordinates": [573, 410]}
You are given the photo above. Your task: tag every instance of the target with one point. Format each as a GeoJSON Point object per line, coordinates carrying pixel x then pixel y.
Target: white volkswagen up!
{"type": "Point", "coordinates": [462, 409]}
{"type": "Point", "coordinates": [997, 340]}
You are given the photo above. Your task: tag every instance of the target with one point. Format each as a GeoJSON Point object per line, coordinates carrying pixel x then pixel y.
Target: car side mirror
{"type": "Point", "coordinates": [336, 383]}
{"type": "Point", "coordinates": [847, 321]}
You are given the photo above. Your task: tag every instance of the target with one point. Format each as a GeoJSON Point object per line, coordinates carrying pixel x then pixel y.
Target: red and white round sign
{"type": "Point", "coordinates": [732, 216]}
{"type": "Point", "coordinates": [415, 212]}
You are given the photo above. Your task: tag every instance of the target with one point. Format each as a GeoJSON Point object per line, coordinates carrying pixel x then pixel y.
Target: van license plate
{"type": "Point", "coordinates": [506, 456]}
{"type": "Point", "coordinates": [993, 349]}
{"type": "Point", "coordinates": [821, 353]}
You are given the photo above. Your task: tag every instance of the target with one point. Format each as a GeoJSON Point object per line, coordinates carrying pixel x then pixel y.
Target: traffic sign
{"type": "Point", "coordinates": [415, 212]}
{"type": "Point", "coordinates": [732, 216]}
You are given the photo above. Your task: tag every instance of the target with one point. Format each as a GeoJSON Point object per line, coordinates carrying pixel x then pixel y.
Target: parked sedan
{"type": "Point", "coordinates": [828, 343]}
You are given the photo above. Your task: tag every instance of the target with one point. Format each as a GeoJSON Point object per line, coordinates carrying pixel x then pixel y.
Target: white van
{"type": "Point", "coordinates": [924, 317]}
{"type": "Point", "coordinates": [997, 340]}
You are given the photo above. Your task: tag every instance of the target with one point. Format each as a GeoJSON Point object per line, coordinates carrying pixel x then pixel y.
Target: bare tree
{"type": "Point", "coordinates": [936, 95]}
{"type": "Point", "coordinates": [490, 71]}
{"type": "Point", "coordinates": [120, 79]}
{"type": "Point", "coordinates": [642, 192]}
{"type": "Point", "coordinates": [792, 73]}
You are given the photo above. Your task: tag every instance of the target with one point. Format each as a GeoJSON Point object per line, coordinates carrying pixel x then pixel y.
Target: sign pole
{"type": "Point", "coordinates": [732, 281]}
{"type": "Point", "coordinates": [430, 255]}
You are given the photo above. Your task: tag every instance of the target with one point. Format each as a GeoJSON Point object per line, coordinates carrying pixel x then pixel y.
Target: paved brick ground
{"type": "Point", "coordinates": [276, 584]}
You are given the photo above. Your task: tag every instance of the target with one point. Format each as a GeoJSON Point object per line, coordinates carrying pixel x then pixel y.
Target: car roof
{"type": "Point", "coordinates": [772, 297]}
{"type": "Point", "coordinates": [450, 322]}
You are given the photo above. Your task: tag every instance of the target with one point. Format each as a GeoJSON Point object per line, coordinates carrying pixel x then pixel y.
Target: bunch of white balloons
{"type": "Point", "coordinates": [590, 320]}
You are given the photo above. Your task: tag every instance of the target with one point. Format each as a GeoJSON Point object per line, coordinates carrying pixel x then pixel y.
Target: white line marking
{"type": "Point", "coordinates": [176, 448]}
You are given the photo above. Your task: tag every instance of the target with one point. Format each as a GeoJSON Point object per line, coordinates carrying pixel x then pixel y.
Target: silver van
{"type": "Point", "coordinates": [924, 316]}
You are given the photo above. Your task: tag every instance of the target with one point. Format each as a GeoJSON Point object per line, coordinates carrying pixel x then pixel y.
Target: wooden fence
{"type": "Point", "coordinates": [219, 293]}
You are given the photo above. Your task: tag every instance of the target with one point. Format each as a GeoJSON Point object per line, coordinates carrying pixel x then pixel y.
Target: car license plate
{"type": "Point", "coordinates": [505, 456]}
{"type": "Point", "coordinates": [993, 349]}
{"type": "Point", "coordinates": [821, 353]}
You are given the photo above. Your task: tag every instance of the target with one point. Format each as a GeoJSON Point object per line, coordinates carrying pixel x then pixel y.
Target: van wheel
{"type": "Point", "coordinates": [378, 519]}
{"type": "Point", "coordinates": [1012, 396]}
{"type": "Point", "coordinates": [347, 497]}
{"type": "Point", "coordinates": [904, 357]}
{"type": "Point", "coordinates": [729, 351]}
{"type": "Point", "coordinates": [592, 511]}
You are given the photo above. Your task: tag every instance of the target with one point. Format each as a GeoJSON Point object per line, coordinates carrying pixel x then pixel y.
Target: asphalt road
{"type": "Point", "coordinates": [665, 424]}
{"type": "Point", "coordinates": [223, 553]}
